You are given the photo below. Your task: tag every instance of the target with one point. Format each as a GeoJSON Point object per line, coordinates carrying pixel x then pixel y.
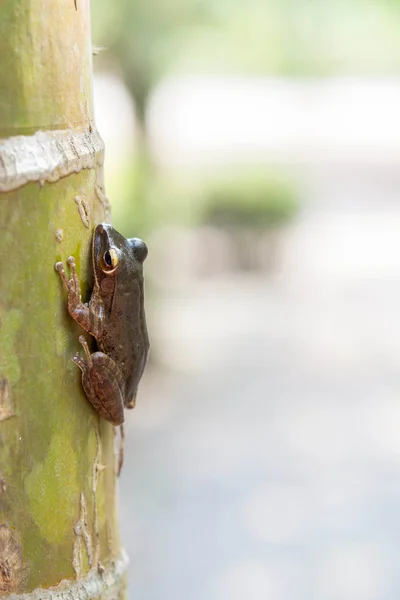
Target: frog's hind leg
{"type": "Point", "coordinates": [100, 383]}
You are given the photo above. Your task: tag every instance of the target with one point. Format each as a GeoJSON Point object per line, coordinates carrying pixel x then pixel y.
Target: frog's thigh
{"type": "Point", "coordinates": [101, 385]}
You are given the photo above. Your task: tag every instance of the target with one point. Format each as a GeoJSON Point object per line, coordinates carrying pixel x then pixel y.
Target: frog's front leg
{"type": "Point", "coordinates": [103, 383]}
{"type": "Point", "coordinates": [82, 314]}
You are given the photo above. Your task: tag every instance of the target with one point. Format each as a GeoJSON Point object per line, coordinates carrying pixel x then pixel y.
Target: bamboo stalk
{"type": "Point", "coordinates": [58, 516]}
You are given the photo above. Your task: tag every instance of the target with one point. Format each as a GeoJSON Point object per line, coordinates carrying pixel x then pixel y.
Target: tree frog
{"type": "Point", "coordinates": [115, 317]}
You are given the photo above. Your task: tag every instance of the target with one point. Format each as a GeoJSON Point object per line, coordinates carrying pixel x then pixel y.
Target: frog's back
{"type": "Point", "coordinates": [126, 341]}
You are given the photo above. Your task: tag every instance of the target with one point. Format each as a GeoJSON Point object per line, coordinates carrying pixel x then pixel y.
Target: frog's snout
{"type": "Point", "coordinates": [101, 229]}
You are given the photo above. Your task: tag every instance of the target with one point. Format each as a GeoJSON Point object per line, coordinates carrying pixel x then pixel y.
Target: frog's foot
{"type": "Point", "coordinates": [81, 362]}
{"type": "Point", "coordinates": [74, 282]}
{"type": "Point", "coordinates": [78, 311]}
{"type": "Point", "coordinates": [72, 285]}
{"type": "Point", "coordinates": [59, 267]}
{"type": "Point", "coordinates": [86, 349]}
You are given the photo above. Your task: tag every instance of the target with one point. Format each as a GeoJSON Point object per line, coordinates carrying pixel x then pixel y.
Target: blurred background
{"type": "Point", "coordinates": [255, 146]}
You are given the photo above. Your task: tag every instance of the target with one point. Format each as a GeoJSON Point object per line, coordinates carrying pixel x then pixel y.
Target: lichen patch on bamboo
{"type": "Point", "coordinates": [11, 567]}
{"type": "Point", "coordinates": [83, 209]}
{"type": "Point", "coordinates": [6, 404]}
{"type": "Point", "coordinates": [100, 193]}
{"type": "Point", "coordinates": [10, 364]}
{"type": "Point", "coordinates": [3, 484]}
{"type": "Point", "coordinates": [51, 492]}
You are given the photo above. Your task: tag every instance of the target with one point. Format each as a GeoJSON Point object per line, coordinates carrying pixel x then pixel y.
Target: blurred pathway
{"type": "Point", "coordinates": [263, 461]}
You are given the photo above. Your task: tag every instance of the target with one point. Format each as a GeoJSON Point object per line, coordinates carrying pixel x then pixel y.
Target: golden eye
{"type": "Point", "coordinates": [111, 259]}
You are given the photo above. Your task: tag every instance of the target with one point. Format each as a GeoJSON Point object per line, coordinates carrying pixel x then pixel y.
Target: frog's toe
{"type": "Point", "coordinates": [78, 360]}
{"type": "Point", "coordinates": [84, 343]}
{"type": "Point", "coordinates": [72, 264]}
{"type": "Point", "coordinates": [132, 403]}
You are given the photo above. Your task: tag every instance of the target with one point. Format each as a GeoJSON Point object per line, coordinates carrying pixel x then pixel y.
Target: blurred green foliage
{"type": "Point", "coordinates": [144, 39]}
{"type": "Point", "coordinates": [256, 201]}
{"type": "Point", "coordinates": [246, 197]}
{"type": "Point", "coordinates": [293, 37]}
{"type": "Point", "coordinates": [147, 41]}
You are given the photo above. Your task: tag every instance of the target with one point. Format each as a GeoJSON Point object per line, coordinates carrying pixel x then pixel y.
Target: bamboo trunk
{"type": "Point", "coordinates": [58, 519]}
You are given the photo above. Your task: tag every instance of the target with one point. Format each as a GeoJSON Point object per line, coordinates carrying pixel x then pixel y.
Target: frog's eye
{"type": "Point", "coordinates": [111, 259]}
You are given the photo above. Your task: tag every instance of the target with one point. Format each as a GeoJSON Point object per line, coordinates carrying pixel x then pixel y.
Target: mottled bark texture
{"type": "Point", "coordinates": [58, 520]}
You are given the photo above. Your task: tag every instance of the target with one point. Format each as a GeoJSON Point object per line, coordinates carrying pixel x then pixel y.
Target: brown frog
{"type": "Point", "coordinates": [115, 317]}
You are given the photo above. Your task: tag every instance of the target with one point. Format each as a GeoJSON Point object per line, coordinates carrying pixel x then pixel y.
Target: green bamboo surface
{"type": "Point", "coordinates": [58, 516]}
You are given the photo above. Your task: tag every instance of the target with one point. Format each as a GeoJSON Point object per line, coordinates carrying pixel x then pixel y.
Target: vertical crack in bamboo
{"type": "Point", "coordinates": [95, 478]}
{"type": "Point", "coordinates": [82, 532]}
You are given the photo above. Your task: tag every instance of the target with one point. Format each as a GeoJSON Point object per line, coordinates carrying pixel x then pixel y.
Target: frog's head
{"type": "Point", "coordinates": [116, 258]}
